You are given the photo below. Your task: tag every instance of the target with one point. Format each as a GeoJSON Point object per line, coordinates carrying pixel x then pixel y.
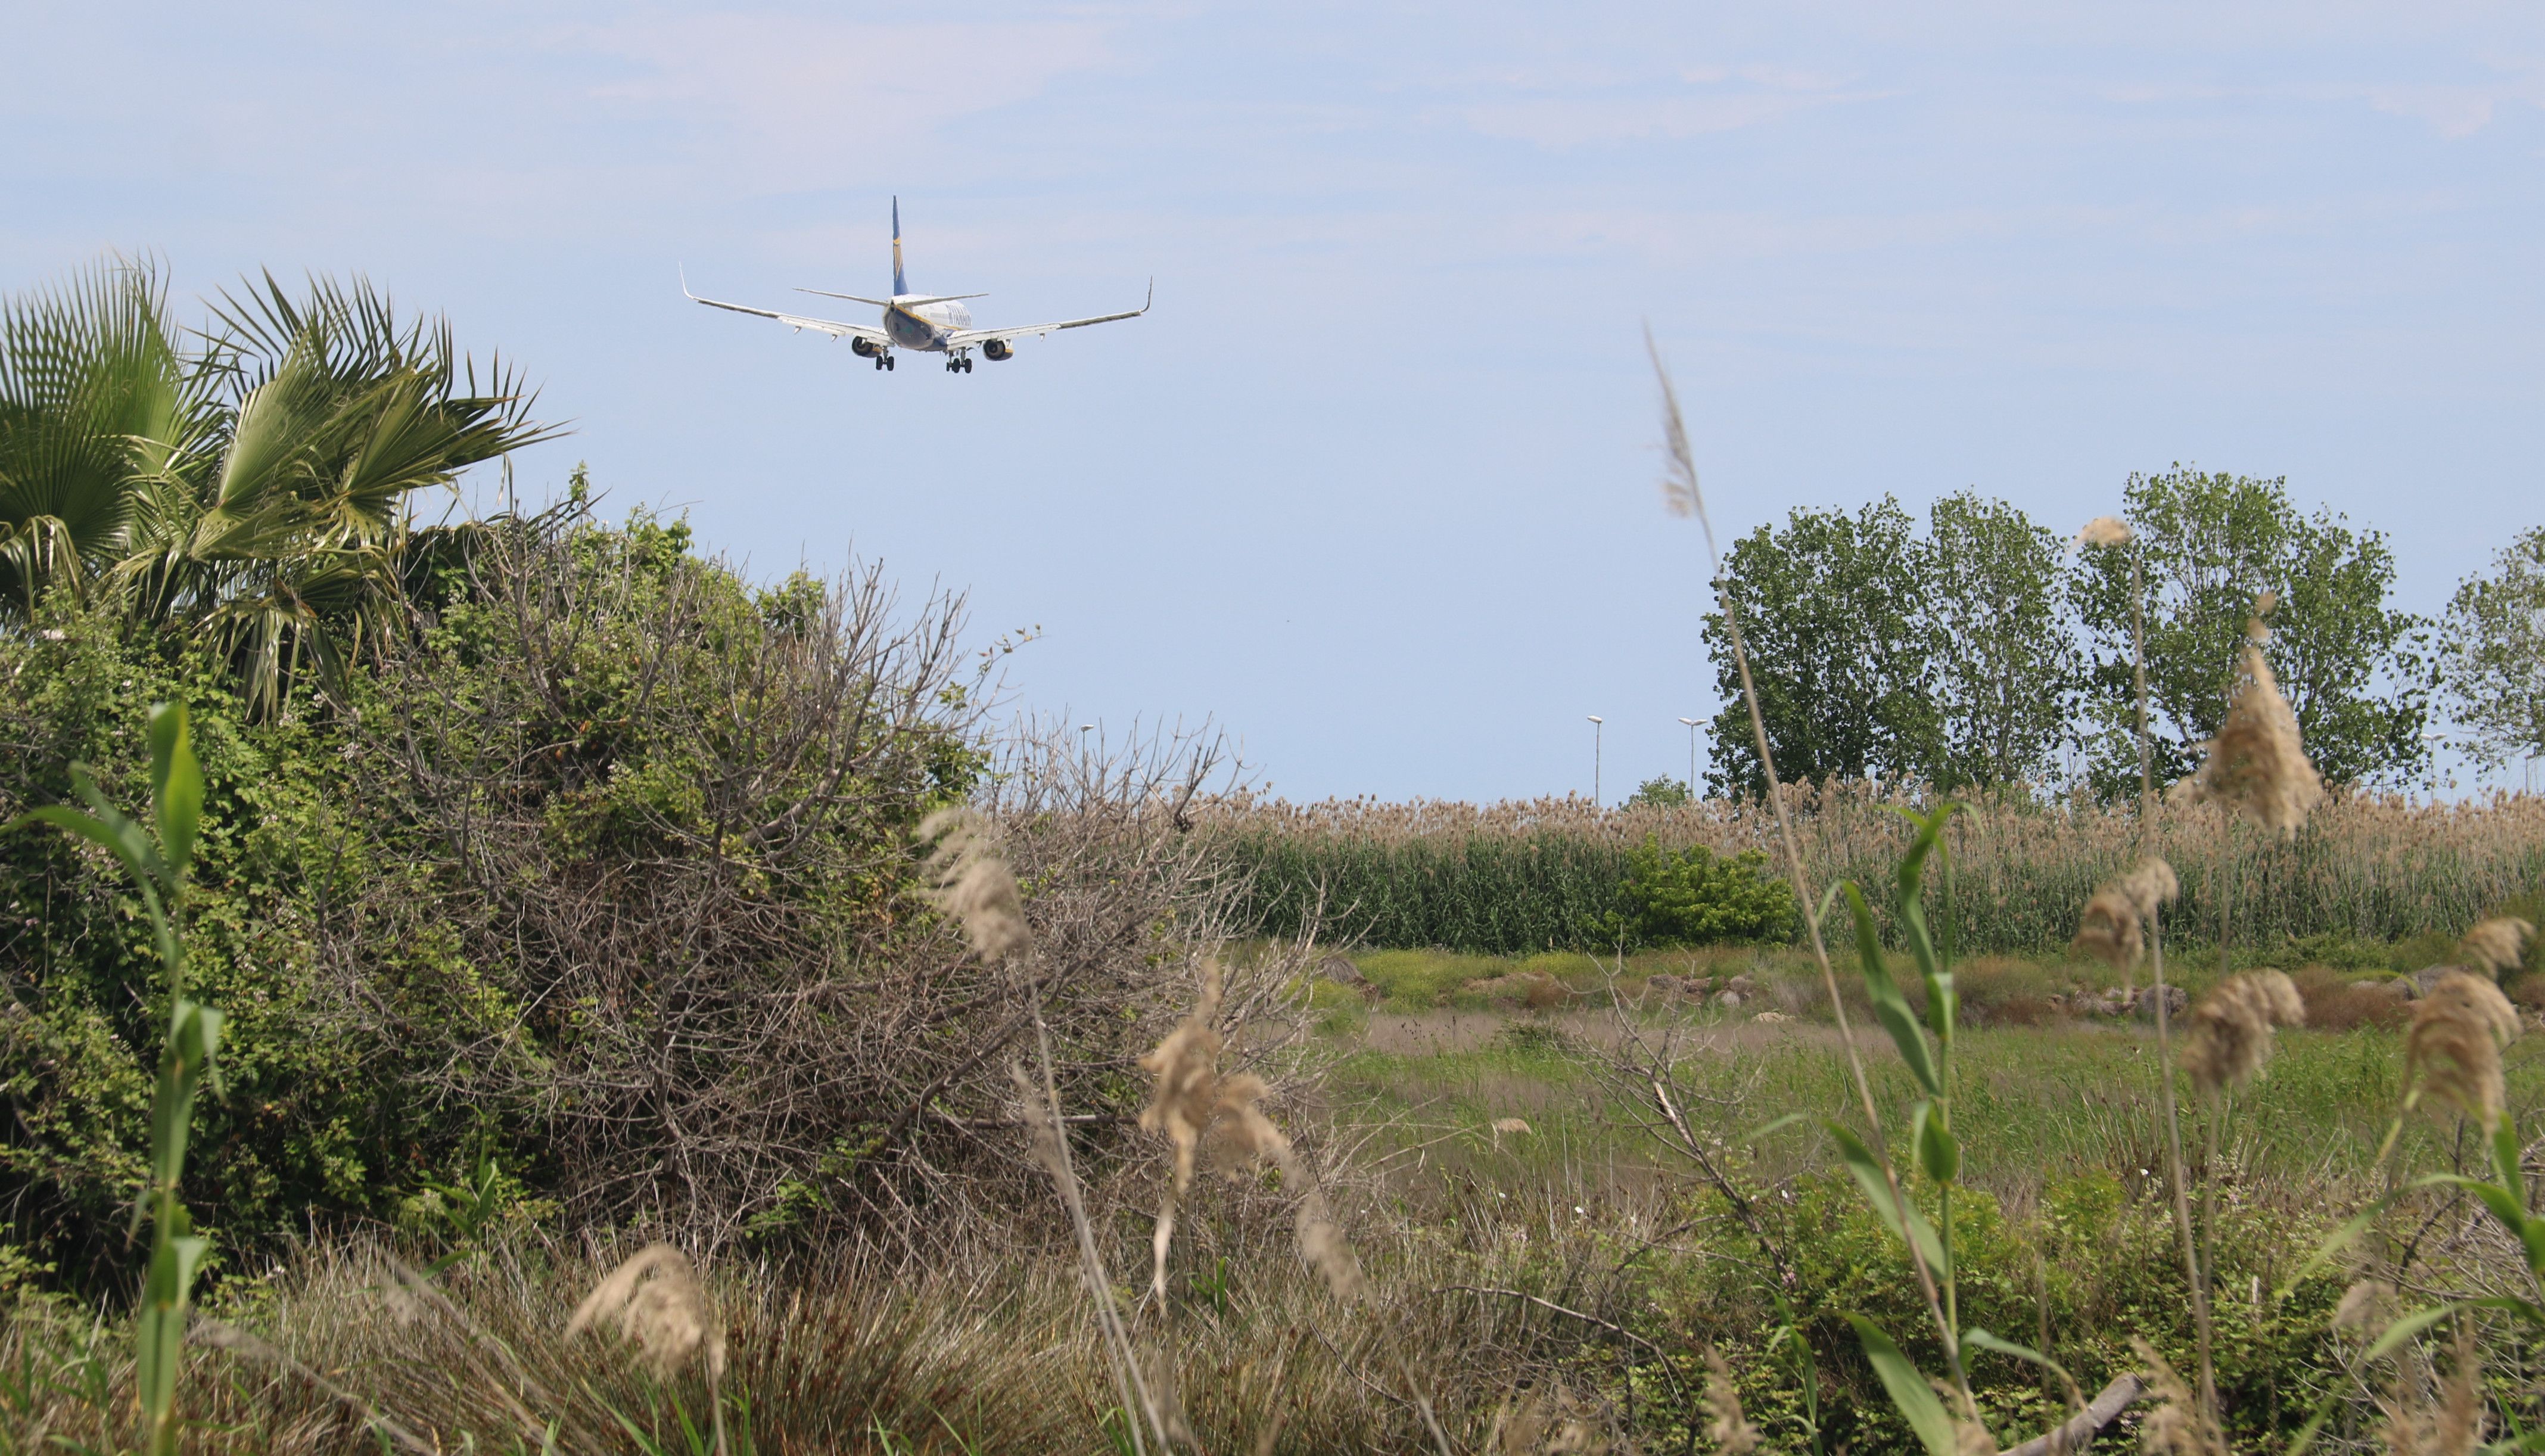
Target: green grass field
{"type": "Point", "coordinates": [1449, 1043]}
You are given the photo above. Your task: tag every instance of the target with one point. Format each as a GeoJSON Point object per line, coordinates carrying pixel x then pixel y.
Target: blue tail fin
{"type": "Point", "coordinates": [899, 285]}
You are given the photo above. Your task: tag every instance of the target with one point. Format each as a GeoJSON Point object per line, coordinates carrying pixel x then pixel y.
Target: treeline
{"type": "Point", "coordinates": [1983, 652]}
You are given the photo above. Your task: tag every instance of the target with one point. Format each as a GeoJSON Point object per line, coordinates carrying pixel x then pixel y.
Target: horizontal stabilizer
{"type": "Point", "coordinates": [912, 301]}
{"type": "Point", "coordinates": [852, 297]}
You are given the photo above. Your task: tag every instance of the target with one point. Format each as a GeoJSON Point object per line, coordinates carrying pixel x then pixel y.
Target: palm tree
{"type": "Point", "coordinates": [97, 405]}
{"type": "Point", "coordinates": [254, 488]}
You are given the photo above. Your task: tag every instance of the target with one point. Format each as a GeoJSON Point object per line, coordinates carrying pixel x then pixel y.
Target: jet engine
{"type": "Point", "coordinates": [864, 347]}
{"type": "Point", "coordinates": [997, 349]}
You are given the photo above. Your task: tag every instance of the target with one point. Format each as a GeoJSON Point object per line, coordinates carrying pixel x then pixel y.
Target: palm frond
{"type": "Point", "coordinates": [95, 399]}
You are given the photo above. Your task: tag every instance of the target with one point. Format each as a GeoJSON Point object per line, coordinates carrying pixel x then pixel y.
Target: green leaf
{"type": "Point", "coordinates": [205, 1041]}
{"type": "Point", "coordinates": [1909, 1393]}
{"type": "Point", "coordinates": [108, 830]}
{"type": "Point", "coordinates": [1901, 1219]}
{"type": "Point", "coordinates": [2506, 1152]}
{"type": "Point", "coordinates": [1889, 1007]}
{"type": "Point", "coordinates": [1929, 841]}
{"type": "Point", "coordinates": [1987, 1341]}
{"type": "Point", "coordinates": [1773, 1126]}
{"type": "Point", "coordinates": [2339, 1239]}
{"type": "Point", "coordinates": [176, 784]}
{"type": "Point", "coordinates": [2405, 1328]}
{"type": "Point", "coordinates": [1937, 1153]}
{"type": "Point", "coordinates": [1943, 1004]}
{"type": "Point", "coordinates": [2526, 1309]}
{"type": "Point", "coordinates": [2306, 1434]}
{"type": "Point", "coordinates": [2504, 1205]}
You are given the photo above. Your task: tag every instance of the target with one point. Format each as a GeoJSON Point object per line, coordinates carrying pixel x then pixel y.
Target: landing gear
{"type": "Point", "coordinates": [960, 364]}
{"type": "Point", "coordinates": [883, 360]}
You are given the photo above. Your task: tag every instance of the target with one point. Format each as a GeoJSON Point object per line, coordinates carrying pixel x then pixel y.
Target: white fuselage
{"type": "Point", "coordinates": [924, 327]}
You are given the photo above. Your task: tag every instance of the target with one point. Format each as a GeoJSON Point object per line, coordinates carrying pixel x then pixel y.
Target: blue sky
{"type": "Point", "coordinates": [1373, 486]}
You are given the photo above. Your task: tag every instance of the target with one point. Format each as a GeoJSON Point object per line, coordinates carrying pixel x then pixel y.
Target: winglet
{"type": "Point", "coordinates": [685, 283]}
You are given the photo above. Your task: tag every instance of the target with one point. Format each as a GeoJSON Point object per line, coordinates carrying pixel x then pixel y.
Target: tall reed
{"type": "Point", "coordinates": [1521, 876]}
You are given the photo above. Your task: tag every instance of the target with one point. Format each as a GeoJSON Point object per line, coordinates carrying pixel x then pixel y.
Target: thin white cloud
{"type": "Point", "coordinates": [804, 102]}
{"type": "Point", "coordinates": [2459, 110]}
{"type": "Point", "coordinates": [2455, 110]}
{"type": "Point", "coordinates": [1558, 122]}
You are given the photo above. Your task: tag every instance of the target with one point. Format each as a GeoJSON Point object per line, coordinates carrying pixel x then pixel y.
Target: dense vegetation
{"type": "Point", "coordinates": [1518, 878]}
{"type": "Point", "coordinates": [448, 911]}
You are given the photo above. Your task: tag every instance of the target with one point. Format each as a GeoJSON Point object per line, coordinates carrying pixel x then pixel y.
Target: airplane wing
{"type": "Point", "coordinates": [960, 337]}
{"type": "Point", "coordinates": [868, 332]}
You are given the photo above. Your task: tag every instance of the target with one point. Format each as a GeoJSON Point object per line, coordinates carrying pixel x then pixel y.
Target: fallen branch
{"type": "Point", "coordinates": [2080, 1427]}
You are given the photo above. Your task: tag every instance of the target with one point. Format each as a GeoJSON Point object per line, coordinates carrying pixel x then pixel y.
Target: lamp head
{"type": "Point", "coordinates": [1594, 717]}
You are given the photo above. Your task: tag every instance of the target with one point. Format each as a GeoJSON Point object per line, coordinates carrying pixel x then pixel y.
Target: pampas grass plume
{"type": "Point", "coordinates": [969, 880]}
{"type": "Point", "coordinates": [2231, 1030]}
{"type": "Point", "coordinates": [2174, 1424]}
{"type": "Point", "coordinates": [2104, 530]}
{"type": "Point", "coordinates": [2363, 1305]}
{"type": "Point", "coordinates": [2453, 1050]}
{"type": "Point", "coordinates": [2256, 767]}
{"type": "Point", "coordinates": [1726, 1424]}
{"type": "Point", "coordinates": [2109, 927]}
{"type": "Point", "coordinates": [2497, 945]}
{"type": "Point", "coordinates": [661, 1309]}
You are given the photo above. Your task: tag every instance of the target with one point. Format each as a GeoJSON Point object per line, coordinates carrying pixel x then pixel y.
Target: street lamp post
{"type": "Point", "coordinates": [1691, 757]}
{"type": "Point", "coordinates": [1596, 730]}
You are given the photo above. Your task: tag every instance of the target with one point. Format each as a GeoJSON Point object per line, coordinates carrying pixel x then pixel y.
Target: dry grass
{"type": "Point", "coordinates": [984, 1351]}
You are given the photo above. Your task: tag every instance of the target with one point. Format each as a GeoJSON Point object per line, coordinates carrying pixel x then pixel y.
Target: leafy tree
{"type": "Point", "coordinates": [1838, 646]}
{"type": "Point", "coordinates": [2494, 653]}
{"type": "Point", "coordinates": [2211, 544]}
{"type": "Point", "coordinates": [1696, 896]}
{"type": "Point", "coordinates": [2008, 669]}
{"type": "Point", "coordinates": [253, 488]}
{"type": "Point", "coordinates": [1664, 792]}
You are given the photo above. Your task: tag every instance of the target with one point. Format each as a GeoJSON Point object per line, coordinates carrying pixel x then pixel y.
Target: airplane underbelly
{"type": "Point", "coordinates": [908, 332]}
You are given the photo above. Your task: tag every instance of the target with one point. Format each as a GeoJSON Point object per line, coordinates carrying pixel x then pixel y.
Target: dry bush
{"type": "Point", "coordinates": [1998, 992]}
{"type": "Point", "coordinates": [2338, 1003]}
{"type": "Point", "coordinates": [672, 826]}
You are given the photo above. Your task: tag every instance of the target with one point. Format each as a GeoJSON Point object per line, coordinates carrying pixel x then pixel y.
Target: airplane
{"type": "Point", "coordinates": [929, 323]}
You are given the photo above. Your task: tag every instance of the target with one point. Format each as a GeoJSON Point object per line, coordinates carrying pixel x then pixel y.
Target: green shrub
{"type": "Point", "coordinates": [532, 886]}
{"type": "Point", "coordinates": [1696, 896]}
{"type": "Point", "coordinates": [2085, 1268]}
